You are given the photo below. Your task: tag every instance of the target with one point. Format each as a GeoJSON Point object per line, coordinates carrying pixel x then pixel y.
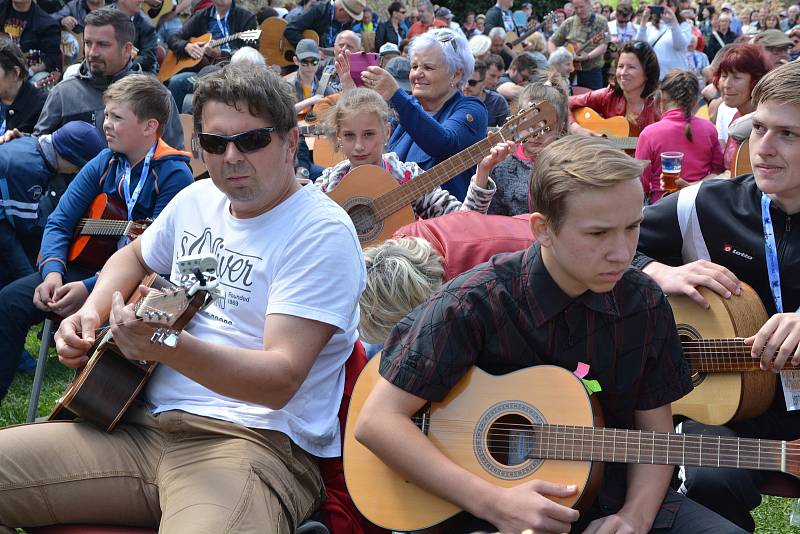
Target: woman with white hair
{"type": "Point", "coordinates": [436, 120]}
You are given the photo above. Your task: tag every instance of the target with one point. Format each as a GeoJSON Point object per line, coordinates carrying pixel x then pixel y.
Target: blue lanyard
{"type": "Point", "coordinates": [222, 27]}
{"type": "Point", "coordinates": [130, 200]}
{"type": "Point", "coordinates": [771, 252]}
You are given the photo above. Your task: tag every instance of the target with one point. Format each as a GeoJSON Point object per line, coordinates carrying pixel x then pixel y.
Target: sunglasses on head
{"type": "Point", "coordinates": [473, 83]}
{"type": "Point", "coordinates": [244, 142]}
{"type": "Point", "coordinates": [447, 37]}
{"type": "Point", "coordinates": [309, 62]}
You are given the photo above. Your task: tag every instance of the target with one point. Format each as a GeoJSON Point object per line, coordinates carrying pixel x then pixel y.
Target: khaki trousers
{"type": "Point", "coordinates": [181, 472]}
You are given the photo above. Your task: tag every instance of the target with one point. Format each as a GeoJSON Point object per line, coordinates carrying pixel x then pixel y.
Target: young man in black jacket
{"type": "Point", "coordinates": [222, 19]}
{"type": "Point", "coordinates": [327, 19]}
{"type": "Point", "coordinates": [721, 232]}
{"type": "Point", "coordinates": [32, 28]}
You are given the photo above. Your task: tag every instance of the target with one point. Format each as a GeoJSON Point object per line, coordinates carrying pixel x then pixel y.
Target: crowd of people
{"type": "Point", "coordinates": [549, 246]}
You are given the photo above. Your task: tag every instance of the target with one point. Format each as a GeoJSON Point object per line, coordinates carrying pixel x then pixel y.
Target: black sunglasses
{"type": "Point", "coordinates": [309, 62]}
{"type": "Point", "coordinates": [473, 83]}
{"type": "Point", "coordinates": [244, 142]}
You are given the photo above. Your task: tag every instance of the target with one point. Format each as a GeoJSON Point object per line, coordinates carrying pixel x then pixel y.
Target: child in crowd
{"type": "Point", "coordinates": [138, 170]}
{"type": "Point", "coordinates": [679, 131]}
{"type": "Point", "coordinates": [360, 121]}
{"type": "Point", "coordinates": [512, 175]}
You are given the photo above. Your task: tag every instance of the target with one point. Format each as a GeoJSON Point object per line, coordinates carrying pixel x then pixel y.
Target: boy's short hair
{"type": "Point", "coordinates": [779, 84]}
{"type": "Point", "coordinates": [146, 96]}
{"type": "Point", "coordinates": [255, 88]}
{"type": "Point", "coordinates": [575, 163]}
{"type": "Point", "coordinates": [401, 275]}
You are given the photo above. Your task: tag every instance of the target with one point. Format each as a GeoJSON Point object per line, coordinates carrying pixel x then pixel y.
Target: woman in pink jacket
{"type": "Point", "coordinates": [679, 131]}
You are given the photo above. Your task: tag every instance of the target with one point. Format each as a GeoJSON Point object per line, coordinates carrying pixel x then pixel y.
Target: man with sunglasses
{"type": "Point", "coordinates": [496, 105]}
{"type": "Point", "coordinates": [245, 401]}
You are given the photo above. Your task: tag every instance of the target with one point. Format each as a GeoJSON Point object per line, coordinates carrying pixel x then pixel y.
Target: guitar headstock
{"type": "Point", "coordinates": [136, 228]}
{"type": "Point", "coordinates": [170, 310]}
{"type": "Point", "coordinates": [250, 35]}
{"type": "Point", "coordinates": [49, 81]}
{"type": "Point", "coordinates": [535, 119]}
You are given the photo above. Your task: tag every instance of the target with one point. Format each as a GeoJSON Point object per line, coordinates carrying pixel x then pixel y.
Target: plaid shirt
{"type": "Point", "coordinates": [508, 314]}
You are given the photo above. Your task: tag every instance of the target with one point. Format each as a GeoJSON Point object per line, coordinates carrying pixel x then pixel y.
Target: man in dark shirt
{"type": "Point", "coordinates": [569, 299]}
{"type": "Point", "coordinates": [496, 105]}
{"type": "Point", "coordinates": [31, 28]}
{"type": "Point", "coordinates": [713, 235]}
{"type": "Point", "coordinates": [327, 19]}
{"type": "Point", "coordinates": [144, 35]}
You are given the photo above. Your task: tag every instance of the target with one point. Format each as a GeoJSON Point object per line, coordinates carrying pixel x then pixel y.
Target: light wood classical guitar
{"type": "Point", "coordinates": [741, 165]}
{"type": "Point", "coordinates": [535, 423]}
{"type": "Point", "coordinates": [616, 129]}
{"type": "Point", "coordinates": [173, 64]}
{"type": "Point", "coordinates": [104, 389]}
{"type": "Point", "coordinates": [98, 233]}
{"type": "Point", "coordinates": [514, 42]}
{"type": "Point", "coordinates": [577, 48]}
{"type": "Point", "coordinates": [729, 385]}
{"type": "Point", "coordinates": [379, 205]}
{"type": "Point", "coordinates": [276, 49]}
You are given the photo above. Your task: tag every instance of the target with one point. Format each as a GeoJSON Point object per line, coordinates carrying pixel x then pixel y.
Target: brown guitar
{"type": "Point", "coordinates": [378, 205]}
{"type": "Point", "coordinates": [514, 42]}
{"type": "Point", "coordinates": [729, 385]}
{"type": "Point", "coordinates": [104, 389]}
{"type": "Point", "coordinates": [98, 233]}
{"type": "Point", "coordinates": [276, 49]}
{"type": "Point", "coordinates": [577, 49]}
{"type": "Point", "coordinates": [173, 64]}
{"type": "Point", "coordinates": [617, 130]}
{"type": "Point", "coordinates": [535, 423]}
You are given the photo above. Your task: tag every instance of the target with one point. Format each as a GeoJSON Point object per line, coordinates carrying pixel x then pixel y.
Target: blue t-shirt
{"type": "Point", "coordinates": [219, 29]}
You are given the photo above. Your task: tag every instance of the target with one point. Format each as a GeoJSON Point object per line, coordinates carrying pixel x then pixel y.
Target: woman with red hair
{"type": "Point", "coordinates": [739, 70]}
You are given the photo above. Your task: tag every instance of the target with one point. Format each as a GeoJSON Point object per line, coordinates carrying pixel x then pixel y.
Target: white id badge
{"type": "Point", "coordinates": [790, 380]}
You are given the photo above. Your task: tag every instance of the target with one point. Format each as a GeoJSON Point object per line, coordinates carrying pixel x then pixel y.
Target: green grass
{"type": "Point", "coordinates": [772, 517]}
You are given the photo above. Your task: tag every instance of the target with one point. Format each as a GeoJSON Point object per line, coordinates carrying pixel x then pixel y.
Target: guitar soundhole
{"type": "Point", "coordinates": [510, 439]}
{"type": "Point", "coordinates": [363, 217]}
{"type": "Point", "coordinates": [686, 333]}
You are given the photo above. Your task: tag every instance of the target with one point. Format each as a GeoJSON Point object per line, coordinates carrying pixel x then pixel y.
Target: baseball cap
{"type": "Point", "coordinates": [388, 48]}
{"type": "Point", "coordinates": [773, 39]}
{"type": "Point", "coordinates": [399, 67]}
{"type": "Point", "coordinates": [307, 48]}
{"type": "Point", "coordinates": [444, 13]}
{"type": "Point", "coordinates": [77, 142]}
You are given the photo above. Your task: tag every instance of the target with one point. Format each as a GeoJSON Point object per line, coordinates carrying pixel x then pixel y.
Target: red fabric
{"type": "Point", "coordinates": [608, 105]}
{"type": "Point", "coordinates": [466, 238]}
{"type": "Point", "coordinates": [700, 43]}
{"type": "Point", "coordinates": [419, 28]}
{"type": "Point", "coordinates": [201, 5]}
{"type": "Point", "coordinates": [339, 513]}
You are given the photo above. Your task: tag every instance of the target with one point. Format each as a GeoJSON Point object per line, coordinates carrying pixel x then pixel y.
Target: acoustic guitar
{"type": "Point", "coordinates": [98, 233]}
{"type": "Point", "coordinates": [173, 64]}
{"type": "Point", "coordinates": [514, 42]}
{"type": "Point", "coordinates": [616, 129]}
{"type": "Point", "coordinates": [104, 389]}
{"type": "Point", "coordinates": [276, 49]}
{"type": "Point", "coordinates": [535, 423]}
{"type": "Point", "coordinates": [166, 7]}
{"type": "Point", "coordinates": [576, 49]}
{"type": "Point", "coordinates": [729, 385]}
{"type": "Point", "coordinates": [378, 205]}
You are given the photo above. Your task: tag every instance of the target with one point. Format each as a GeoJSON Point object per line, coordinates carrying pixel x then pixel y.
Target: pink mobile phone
{"type": "Point", "coordinates": [359, 63]}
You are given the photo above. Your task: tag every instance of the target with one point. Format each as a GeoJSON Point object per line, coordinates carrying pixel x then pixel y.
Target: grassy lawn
{"type": "Point", "coordinates": [772, 517]}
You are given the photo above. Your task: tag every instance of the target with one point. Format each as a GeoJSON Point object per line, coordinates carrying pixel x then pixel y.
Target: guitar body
{"type": "Point", "coordinates": [276, 49]}
{"type": "Point", "coordinates": [173, 64]}
{"type": "Point", "coordinates": [166, 7]}
{"type": "Point", "coordinates": [104, 389]}
{"type": "Point", "coordinates": [462, 427]}
{"type": "Point", "coordinates": [741, 165]}
{"type": "Point", "coordinates": [356, 193]}
{"type": "Point", "coordinates": [611, 127]}
{"type": "Point", "coordinates": [93, 251]}
{"type": "Point", "coordinates": [719, 398]}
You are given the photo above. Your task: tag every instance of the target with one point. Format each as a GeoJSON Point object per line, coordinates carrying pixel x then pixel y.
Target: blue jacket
{"type": "Point", "coordinates": [24, 177]}
{"type": "Point", "coordinates": [169, 173]}
{"type": "Point", "coordinates": [430, 139]}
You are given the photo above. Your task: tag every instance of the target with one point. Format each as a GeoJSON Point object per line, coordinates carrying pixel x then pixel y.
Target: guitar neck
{"type": "Point", "coordinates": [102, 227]}
{"type": "Point", "coordinates": [623, 143]}
{"type": "Point", "coordinates": [426, 182]}
{"type": "Point", "coordinates": [218, 42]}
{"type": "Point", "coordinates": [721, 356]}
{"type": "Point", "coordinates": [563, 442]}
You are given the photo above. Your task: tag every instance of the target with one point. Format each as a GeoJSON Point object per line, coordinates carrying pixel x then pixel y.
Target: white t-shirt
{"type": "Point", "coordinates": [725, 115]}
{"type": "Point", "coordinates": [301, 258]}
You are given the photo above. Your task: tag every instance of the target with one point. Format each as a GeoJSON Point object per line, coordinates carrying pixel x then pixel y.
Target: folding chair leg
{"type": "Point", "coordinates": [38, 378]}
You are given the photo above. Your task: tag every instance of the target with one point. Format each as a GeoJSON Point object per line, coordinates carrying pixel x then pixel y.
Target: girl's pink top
{"type": "Point", "coordinates": [701, 157]}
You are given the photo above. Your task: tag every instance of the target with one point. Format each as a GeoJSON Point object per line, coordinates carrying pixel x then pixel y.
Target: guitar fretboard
{"type": "Point", "coordinates": [721, 355]}
{"type": "Point", "coordinates": [102, 227]}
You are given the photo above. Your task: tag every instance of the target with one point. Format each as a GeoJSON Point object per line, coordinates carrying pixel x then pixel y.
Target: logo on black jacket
{"type": "Point", "coordinates": [730, 250]}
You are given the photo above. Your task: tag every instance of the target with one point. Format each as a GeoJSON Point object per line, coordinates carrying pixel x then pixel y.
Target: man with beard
{"type": "Point", "coordinates": [107, 41]}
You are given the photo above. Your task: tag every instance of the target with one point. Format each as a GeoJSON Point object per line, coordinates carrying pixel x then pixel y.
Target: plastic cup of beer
{"type": "Point", "coordinates": [671, 163]}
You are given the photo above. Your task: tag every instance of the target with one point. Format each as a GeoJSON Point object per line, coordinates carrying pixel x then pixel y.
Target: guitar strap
{"type": "Point", "coordinates": [694, 245]}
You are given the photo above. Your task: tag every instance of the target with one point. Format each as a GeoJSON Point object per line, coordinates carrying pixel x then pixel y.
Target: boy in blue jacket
{"type": "Point", "coordinates": [138, 169]}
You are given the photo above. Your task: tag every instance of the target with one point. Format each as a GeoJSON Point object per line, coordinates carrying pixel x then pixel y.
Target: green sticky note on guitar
{"type": "Point", "coordinates": [592, 386]}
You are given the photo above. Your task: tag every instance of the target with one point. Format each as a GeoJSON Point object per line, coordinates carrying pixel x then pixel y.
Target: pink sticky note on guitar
{"type": "Point", "coordinates": [582, 370]}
